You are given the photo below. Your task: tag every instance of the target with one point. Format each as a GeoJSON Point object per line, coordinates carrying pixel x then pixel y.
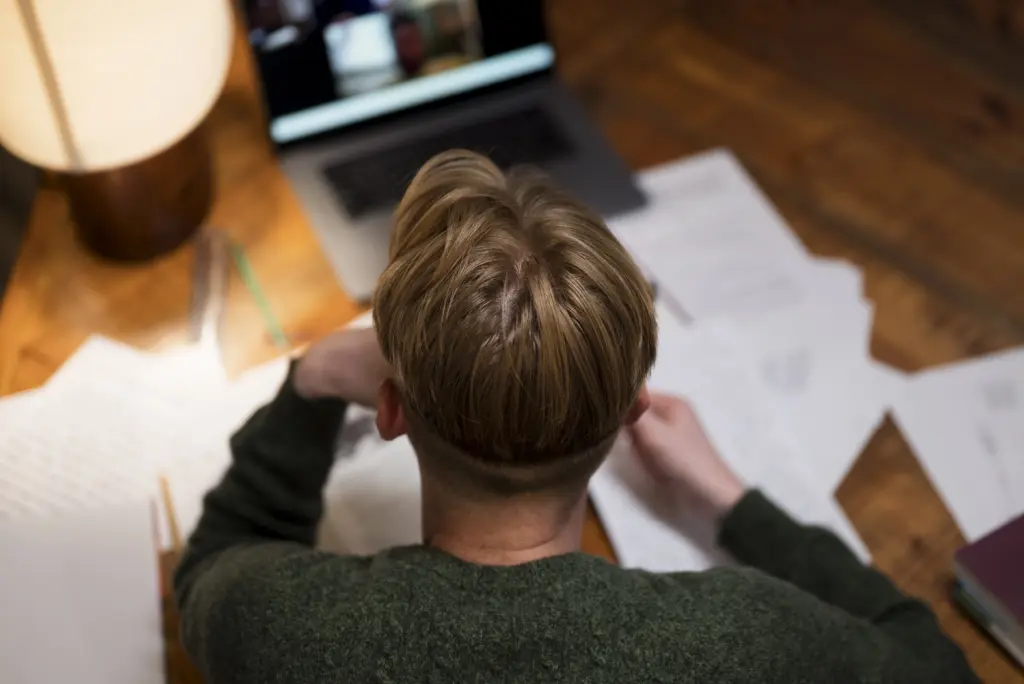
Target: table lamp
{"type": "Point", "coordinates": [109, 94]}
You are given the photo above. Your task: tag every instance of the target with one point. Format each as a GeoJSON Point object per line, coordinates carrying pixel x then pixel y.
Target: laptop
{"type": "Point", "coordinates": [360, 93]}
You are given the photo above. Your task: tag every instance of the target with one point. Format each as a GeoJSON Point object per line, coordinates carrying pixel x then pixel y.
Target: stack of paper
{"type": "Point", "coordinates": [770, 345]}
{"type": "Point", "coordinates": [98, 433]}
{"type": "Point", "coordinates": [114, 420]}
{"type": "Point", "coordinates": [725, 262]}
{"type": "Point", "coordinates": [742, 420]}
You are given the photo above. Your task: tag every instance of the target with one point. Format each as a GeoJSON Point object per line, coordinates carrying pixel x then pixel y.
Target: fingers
{"type": "Point", "coordinates": [664, 406]}
{"type": "Point", "coordinates": [645, 433]}
{"type": "Point", "coordinates": [660, 408]}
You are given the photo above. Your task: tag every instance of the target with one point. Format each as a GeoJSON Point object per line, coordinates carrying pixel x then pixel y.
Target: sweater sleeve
{"type": "Point", "coordinates": [272, 492]}
{"type": "Point", "coordinates": [757, 533]}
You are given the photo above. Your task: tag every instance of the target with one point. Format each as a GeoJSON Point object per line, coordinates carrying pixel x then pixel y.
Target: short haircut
{"type": "Point", "coordinates": [519, 329]}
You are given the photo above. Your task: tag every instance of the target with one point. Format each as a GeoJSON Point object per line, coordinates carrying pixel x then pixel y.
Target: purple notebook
{"type": "Point", "coordinates": [991, 572]}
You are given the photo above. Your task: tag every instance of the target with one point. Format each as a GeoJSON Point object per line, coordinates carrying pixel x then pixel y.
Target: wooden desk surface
{"type": "Point", "coordinates": [888, 133]}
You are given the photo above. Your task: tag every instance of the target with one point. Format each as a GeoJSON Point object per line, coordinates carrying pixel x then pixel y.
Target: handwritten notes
{"type": "Point", "coordinates": [966, 423]}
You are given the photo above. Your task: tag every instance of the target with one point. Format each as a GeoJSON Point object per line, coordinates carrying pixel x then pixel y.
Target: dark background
{"type": "Point", "coordinates": [18, 182]}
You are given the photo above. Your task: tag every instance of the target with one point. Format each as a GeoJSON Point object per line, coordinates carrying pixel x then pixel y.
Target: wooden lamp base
{"type": "Point", "coordinates": [141, 211]}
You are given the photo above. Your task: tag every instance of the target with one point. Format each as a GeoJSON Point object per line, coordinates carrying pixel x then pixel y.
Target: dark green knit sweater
{"type": "Point", "coordinates": [259, 604]}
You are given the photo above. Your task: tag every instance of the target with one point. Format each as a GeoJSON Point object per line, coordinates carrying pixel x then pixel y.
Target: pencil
{"type": "Point", "coordinates": [172, 516]}
{"type": "Point", "coordinates": [249, 279]}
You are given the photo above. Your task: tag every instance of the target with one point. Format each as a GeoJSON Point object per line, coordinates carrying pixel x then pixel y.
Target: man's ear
{"type": "Point", "coordinates": [640, 406]}
{"type": "Point", "coordinates": [390, 418]}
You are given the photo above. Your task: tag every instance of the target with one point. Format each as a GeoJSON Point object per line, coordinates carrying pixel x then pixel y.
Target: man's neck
{"type": "Point", "coordinates": [506, 532]}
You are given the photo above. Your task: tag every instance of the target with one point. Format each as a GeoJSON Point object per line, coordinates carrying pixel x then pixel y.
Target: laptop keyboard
{"type": "Point", "coordinates": [378, 179]}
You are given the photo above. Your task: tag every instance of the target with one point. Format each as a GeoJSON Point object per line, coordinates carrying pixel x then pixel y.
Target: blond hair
{"type": "Point", "coordinates": [519, 329]}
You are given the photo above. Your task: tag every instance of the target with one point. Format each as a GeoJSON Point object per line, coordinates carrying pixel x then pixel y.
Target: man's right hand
{"type": "Point", "coordinates": [671, 443]}
{"type": "Point", "coordinates": [346, 364]}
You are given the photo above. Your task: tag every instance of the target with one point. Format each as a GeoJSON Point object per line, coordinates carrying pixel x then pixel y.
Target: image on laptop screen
{"type": "Point", "coordinates": [326, 64]}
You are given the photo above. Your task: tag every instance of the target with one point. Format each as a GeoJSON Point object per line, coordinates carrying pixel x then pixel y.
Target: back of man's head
{"type": "Point", "coordinates": [519, 329]}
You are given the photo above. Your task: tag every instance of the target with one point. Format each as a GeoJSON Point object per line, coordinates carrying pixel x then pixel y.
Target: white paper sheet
{"type": "Point", "coordinates": [372, 499]}
{"type": "Point", "coordinates": [963, 422]}
{"type": "Point", "coordinates": [812, 365]}
{"type": "Point", "coordinates": [710, 203]}
{"type": "Point", "coordinates": [741, 421]}
{"type": "Point", "coordinates": [94, 351]}
{"type": "Point", "coordinates": [81, 599]}
{"type": "Point", "coordinates": [644, 529]}
{"type": "Point", "coordinates": [647, 529]}
{"type": "Point", "coordinates": [15, 408]}
{"type": "Point", "coordinates": [712, 240]}
{"type": "Point", "coordinates": [724, 257]}
{"type": "Point", "coordinates": [212, 420]}
{"type": "Point", "coordinates": [103, 430]}
{"type": "Point", "coordinates": [1007, 447]}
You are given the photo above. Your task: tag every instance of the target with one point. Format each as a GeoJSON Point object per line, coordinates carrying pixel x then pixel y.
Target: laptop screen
{"type": "Point", "coordinates": [328, 64]}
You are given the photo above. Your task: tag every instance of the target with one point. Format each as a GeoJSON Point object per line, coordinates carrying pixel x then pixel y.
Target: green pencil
{"type": "Point", "coordinates": [249, 279]}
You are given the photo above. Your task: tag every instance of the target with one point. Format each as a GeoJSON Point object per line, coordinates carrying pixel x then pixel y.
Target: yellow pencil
{"type": "Point", "coordinates": [172, 517]}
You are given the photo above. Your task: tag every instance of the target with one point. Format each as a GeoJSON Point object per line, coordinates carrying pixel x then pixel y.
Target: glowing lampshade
{"type": "Point", "coordinates": [91, 86]}
{"type": "Point", "coordinates": [94, 84]}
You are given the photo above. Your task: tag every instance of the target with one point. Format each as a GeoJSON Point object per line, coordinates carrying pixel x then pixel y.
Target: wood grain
{"type": "Point", "coordinates": [888, 132]}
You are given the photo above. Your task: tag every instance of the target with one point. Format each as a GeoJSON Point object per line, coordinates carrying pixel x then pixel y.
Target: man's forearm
{"type": "Point", "coordinates": [759, 534]}
{"type": "Point", "coordinates": [272, 491]}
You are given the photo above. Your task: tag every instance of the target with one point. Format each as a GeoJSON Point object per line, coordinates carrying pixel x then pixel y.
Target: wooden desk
{"type": "Point", "coordinates": [888, 133]}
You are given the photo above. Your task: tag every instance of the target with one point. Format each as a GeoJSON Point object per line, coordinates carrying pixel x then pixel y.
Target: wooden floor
{"type": "Point", "coordinates": [888, 132]}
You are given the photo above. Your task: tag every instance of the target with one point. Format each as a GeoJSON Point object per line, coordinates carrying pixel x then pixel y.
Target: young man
{"type": "Point", "coordinates": [513, 337]}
